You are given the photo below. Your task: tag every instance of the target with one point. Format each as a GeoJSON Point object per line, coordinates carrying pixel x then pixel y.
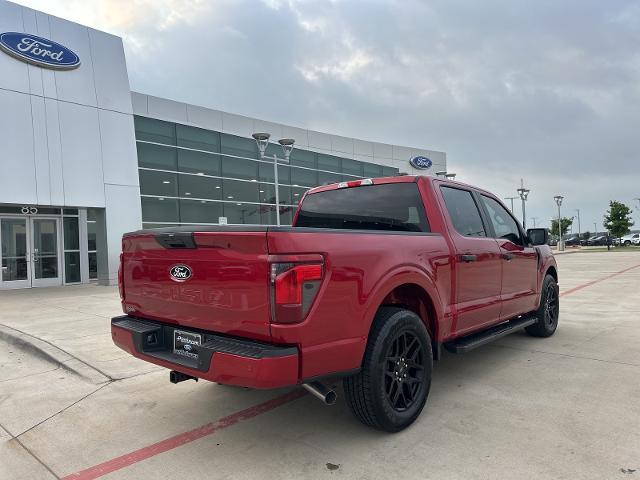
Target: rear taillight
{"type": "Point", "coordinates": [295, 281]}
{"type": "Point", "coordinates": [121, 278]}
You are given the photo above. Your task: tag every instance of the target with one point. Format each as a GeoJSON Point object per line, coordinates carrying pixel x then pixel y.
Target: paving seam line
{"type": "Point", "coordinates": [28, 450]}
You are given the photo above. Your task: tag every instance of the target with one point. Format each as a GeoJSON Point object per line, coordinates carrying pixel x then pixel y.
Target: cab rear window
{"type": "Point", "coordinates": [391, 206]}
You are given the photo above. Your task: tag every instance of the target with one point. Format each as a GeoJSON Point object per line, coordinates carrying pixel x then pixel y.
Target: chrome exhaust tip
{"type": "Point", "coordinates": [322, 392]}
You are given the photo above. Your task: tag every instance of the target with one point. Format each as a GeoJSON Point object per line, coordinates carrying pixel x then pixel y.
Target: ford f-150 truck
{"type": "Point", "coordinates": [372, 281]}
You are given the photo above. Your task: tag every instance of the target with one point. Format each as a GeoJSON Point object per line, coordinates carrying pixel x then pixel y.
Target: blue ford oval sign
{"type": "Point", "coordinates": [38, 51]}
{"type": "Point", "coordinates": [420, 162]}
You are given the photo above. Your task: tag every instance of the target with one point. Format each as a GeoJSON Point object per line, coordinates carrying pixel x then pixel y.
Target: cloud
{"type": "Point", "coordinates": [545, 91]}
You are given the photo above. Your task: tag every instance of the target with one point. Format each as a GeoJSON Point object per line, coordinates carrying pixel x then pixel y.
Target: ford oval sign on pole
{"type": "Point", "coordinates": [38, 51]}
{"type": "Point", "coordinates": [420, 162]}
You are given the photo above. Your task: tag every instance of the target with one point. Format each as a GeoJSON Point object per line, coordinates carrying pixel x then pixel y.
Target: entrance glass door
{"type": "Point", "coordinates": [16, 265]}
{"type": "Point", "coordinates": [45, 255]}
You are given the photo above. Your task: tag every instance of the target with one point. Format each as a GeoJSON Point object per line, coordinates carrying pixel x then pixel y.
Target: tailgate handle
{"type": "Point", "coordinates": [176, 240]}
{"type": "Point", "coordinates": [468, 258]}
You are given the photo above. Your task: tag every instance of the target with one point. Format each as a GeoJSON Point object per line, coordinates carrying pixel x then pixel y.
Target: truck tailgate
{"type": "Point", "coordinates": [226, 286]}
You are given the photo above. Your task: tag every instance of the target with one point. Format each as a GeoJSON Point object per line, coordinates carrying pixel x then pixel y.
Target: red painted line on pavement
{"type": "Point", "coordinates": [183, 438]}
{"type": "Point", "coordinates": [593, 282]}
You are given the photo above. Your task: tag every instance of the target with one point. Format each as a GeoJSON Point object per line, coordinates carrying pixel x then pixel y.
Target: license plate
{"type": "Point", "coordinates": [186, 343]}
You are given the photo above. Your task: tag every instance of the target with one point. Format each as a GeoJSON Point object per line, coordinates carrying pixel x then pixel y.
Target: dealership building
{"type": "Point", "coordinates": [83, 159]}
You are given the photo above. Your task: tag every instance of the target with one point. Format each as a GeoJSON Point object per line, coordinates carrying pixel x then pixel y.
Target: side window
{"type": "Point", "coordinates": [463, 212]}
{"type": "Point", "coordinates": [503, 223]}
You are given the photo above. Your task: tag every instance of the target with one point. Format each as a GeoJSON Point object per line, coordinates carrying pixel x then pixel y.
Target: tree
{"type": "Point", "coordinates": [586, 235]}
{"type": "Point", "coordinates": [564, 225]}
{"type": "Point", "coordinates": [618, 219]}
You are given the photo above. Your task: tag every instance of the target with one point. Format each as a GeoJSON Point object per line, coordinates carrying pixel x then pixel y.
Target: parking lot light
{"type": "Point", "coordinates": [262, 140]}
{"type": "Point", "coordinates": [558, 199]}
{"type": "Point", "coordinates": [524, 193]}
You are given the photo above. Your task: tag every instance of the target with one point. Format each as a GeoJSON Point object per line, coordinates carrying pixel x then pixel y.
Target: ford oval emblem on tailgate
{"type": "Point", "coordinates": [180, 273]}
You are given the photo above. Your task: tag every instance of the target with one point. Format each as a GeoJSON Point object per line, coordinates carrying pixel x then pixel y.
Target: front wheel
{"type": "Point", "coordinates": [627, 243]}
{"type": "Point", "coordinates": [392, 387]}
{"type": "Point", "coordinates": [549, 310]}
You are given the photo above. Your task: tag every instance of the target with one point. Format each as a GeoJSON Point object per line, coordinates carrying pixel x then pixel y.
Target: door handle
{"type": "Point", "coordinates": [466, 258]}
{"type": "Point", "coordinates": [507, 256]}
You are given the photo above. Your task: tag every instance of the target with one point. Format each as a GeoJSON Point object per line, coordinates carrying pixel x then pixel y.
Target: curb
{"type": "Point", "coordinates": [52, 354]}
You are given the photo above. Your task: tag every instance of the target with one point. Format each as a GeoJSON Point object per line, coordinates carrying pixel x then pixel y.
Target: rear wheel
{"type": "Point", "coordinates": [392, 387]}
{"type": "Point", "coordinates": [549, 310]}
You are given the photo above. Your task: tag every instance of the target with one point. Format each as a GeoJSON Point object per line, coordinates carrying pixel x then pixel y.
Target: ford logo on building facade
{"type": "Point", "coordinates": [420, 162]}
{"type": "Point", "coordinates": [38, 51]}
{"type": "Point", "coordinates": [180, 273]}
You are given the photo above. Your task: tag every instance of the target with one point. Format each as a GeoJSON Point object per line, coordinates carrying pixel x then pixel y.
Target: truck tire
{"type": "Point", "coordinates": [549, 310]}
{"type": "Point", "coordinates": [392, 386]}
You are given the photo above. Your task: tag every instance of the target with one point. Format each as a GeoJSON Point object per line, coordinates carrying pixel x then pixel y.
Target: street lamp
{"type": "Point", "coordinates": [512, 199]}
{"type": "Point", "coordinates": [535, 219]}
{"type": "Point", "coordinates": [524, 193]}
{"type": "Point", "coordinates": [262, 140]}
{"type": "Point", "coordinates": [579, 229]}
{"type": "Point", "coordinates": [558, 199]}
{"type": "Point", "coordinates": [595, 228]}
{"type": "Point", "coordinates": [450, 176]}
{"type": "Point", "coordinates": [442, 173]}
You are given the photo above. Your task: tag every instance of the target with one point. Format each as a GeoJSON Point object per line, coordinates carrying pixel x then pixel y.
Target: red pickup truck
{"type": "Point", "coordinates": [373, 279]}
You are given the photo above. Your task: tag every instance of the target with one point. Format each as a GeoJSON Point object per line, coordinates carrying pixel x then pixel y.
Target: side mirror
{"type": "Point", "coordinates": [538, 236]}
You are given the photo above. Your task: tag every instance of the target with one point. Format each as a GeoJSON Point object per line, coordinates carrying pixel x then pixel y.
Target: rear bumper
{"type": "Point", "coordinates": [222, 359]}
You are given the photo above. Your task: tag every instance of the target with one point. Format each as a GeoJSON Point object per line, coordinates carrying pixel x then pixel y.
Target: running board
{"type": "Point", "coordinates": [475, 340]}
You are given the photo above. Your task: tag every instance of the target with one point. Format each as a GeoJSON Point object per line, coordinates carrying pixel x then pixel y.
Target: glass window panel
{"type": "Point", "coordinates": [155, 130]}
{"type": "Point", "coordinates": [93, 265]}
{"type": "Point", "coordinates": [371, 170]}
{"type": "Point", "coordinates": [296, 194]}
{"type": "Point", "coordinates": [351, 167]}
{"type": "Point", "coordinates": [240, 191]}
{"type": "Point", "coordinates": [200, 211]}
{"type": "Point", "coordinates": [91, 214]}
{"type": "Point", "coordinates": [325, 178]}
{"type": "Point", "coordinates": [17, 210]}
{"type": "Point", "coordinates": [198, 162]}
{"type": "Point", "coordinates": [242, 147]}
{"type": "Point", "coordinates": [463, 212]}
{"type": "Point", "coordinates": [301, 176]}
{"type": "Point", "coordinates": [71, 233]}
{"type": "Point", "coordinates": [71, 267]}
{"type": "Point", "coordinates": [193, 137]}
{"type": "Point", "coordinates": [329, 162]}
{"type": "Point", "coordinates": [159, 209]}
{"type": "Point", "coordinates": [91, 236]}
{"type": "Point", "coordinates": [70, 211]}
{"type": "Point", "coordinates": [239, 168]}
{"type": "Point", "coordinates": [284, 174]}
{"type": "Point", "coordinates": [390, 171]}
{"type": "Point", "coordinates": [156, 225]}
{"type": "Point", "coordinates": [267, 214]}
{"type": "Point", "coordinates": [157, 156]}
{"type": "Point", "coordinates": [265, 172]}
{"type": "Point", "coordinates": [158, 183]}
{"type": "Point", "coordinates": [503, 223]}
{"type": "Point", "coordinates": [243, 213]}
{"type": "Point", "coordinates": [286, 215]}
{"type": "Point", "coordinates": [14, 249]}
{"type": "Point", "coordinates": [285, 194]}
{"type": "Point", "coordinates": [303, 158]}
{"type": "Point", "coordinates": [196, 186]}
{"type": "Point", "coordinates": [267, 193]}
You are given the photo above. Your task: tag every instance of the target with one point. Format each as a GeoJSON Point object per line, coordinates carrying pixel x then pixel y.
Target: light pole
{"type": "Point", "coordinates": [558, 199]}
{"type": "Point", "coordinates": [262, 140]}
{"type": "Point", "coordinates": [524, 193]}
{"type": "Point", "coordinates": [512, 199]}
{"type": "Point", "coordinates": [579, 229]}
{"type": "Point", "coordinates": [595, 228]}
{"type": "Point", "coordinates": [535, 219]}
{"type": "Point", "coordinates": [450, 176]}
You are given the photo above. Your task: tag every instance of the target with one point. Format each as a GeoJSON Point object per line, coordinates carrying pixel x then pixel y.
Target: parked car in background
{"type": "Point", "coordinates": [595, 240]}
{"type": "Point", "coordinates": [631, 239]}
{"type": "Point", "coordinates": [572, 241]}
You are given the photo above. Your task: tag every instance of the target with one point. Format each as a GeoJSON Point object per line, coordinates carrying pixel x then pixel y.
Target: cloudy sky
{"type": "Point", "coordinates": [547, 91]}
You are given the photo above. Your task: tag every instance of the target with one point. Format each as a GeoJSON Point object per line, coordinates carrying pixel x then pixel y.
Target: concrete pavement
{"type": "Point", "coordinates": [563, 407]}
